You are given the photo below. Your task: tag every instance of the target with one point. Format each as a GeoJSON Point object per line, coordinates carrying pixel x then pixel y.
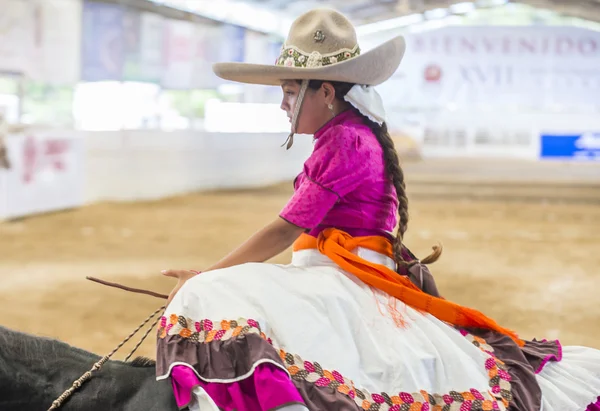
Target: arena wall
{"type": "Point", "coordinates": [61, 169]}
{"type": "Point", "coordinates": [54, 170]}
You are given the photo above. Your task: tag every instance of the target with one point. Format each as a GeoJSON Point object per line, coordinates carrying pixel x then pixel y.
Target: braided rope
{"type": "Point", "coordinates": [299, 101]}
{"type": "Point", "coordinates": [143, 338]}
{"type": "Point", "coordinates": [88, 374]}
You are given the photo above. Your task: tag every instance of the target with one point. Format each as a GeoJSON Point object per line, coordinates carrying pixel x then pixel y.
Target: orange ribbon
{"type": "Point", "coordinates": [338, 246]}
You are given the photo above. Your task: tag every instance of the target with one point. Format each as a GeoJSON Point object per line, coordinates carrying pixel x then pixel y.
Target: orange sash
{"type": "Point", "coordinates": [337, 245]}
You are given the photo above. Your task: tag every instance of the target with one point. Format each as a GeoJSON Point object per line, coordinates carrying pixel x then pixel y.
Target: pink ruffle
{"type": "Point", "coordinates": [594, 406]}
{"type": "Point", "coordinates": [269, 387]}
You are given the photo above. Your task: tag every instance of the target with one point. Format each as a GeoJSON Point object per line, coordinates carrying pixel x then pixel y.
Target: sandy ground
{"type": "Point", "coordinates": [532, 266]}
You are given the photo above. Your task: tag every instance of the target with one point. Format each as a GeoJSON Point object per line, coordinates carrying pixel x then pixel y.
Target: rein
{"type": "Point", "coordinates": [56, 404]}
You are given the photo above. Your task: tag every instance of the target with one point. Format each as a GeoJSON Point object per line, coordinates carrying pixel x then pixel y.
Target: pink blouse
{"type": "Point", "coordinates": [343, 184]}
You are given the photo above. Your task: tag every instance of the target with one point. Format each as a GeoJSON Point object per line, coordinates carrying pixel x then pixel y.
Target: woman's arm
{"type": "Point", "coordinates": [269, 242]}
{"type": "Point", "coordinates": [272, 240]}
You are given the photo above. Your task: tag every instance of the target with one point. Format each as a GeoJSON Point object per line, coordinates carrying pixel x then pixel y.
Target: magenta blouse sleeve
{"type": "Point", "coordinates": [335, 168]}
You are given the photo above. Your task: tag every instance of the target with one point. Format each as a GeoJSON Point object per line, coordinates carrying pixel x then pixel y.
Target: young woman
{"type": "Point", "coordinates": [349, 324]}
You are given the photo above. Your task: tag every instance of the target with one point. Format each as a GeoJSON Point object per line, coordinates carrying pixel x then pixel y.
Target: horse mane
{"type": "Point", "coordinates": [32, 347]}
{"type": "Point", "coordinates": [142, 362]}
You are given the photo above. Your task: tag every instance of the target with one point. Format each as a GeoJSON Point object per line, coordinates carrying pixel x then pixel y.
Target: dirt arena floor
{"type": "Point", "coordinates": [532, 266]}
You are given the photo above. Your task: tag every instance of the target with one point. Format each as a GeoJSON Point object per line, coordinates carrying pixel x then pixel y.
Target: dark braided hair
{"type": "Point", "coordinates": [394, 173]}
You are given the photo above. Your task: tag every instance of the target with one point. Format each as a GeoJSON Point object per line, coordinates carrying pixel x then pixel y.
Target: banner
{"type": "Point", "coordinates": [256, 48]}
{"type": "Point", "coordinates": [207, 46]}
{"type": "Point", "coordinates": [103, 49]}
{"type": "Point", "coordinates": [233, 47]}
{"type": "Point", "coordinates": [179, 52]}
{"type": "Point", "coordinates": [495, 66]}
{"type": "Point", "coordinates": [575, 146]}
{"type": "Point", "coordinates": [46, 175]}
{"type": "Point", "coordinates": [152, 27]}
{"type": "Point", "coordinates": [143, 35]}
{"type": "Point", "coordinates": [132, 46]}
{"type": "Point", "coordinates": [16, 36]}
{"type": "Point", "coordinates": [57, 42]}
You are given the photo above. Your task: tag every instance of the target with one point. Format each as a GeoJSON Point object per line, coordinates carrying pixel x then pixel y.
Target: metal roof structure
{"type": "Point", "coordinates": [369, 11]}
{"type": "Point", "coordinates": [275, 16]}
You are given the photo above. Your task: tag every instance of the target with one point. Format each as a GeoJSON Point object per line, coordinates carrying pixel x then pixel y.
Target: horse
{"type": "Point", "coordinates": [35, 371]}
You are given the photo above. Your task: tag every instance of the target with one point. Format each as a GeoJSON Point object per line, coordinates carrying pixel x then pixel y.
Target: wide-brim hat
{"type": "Point", "coordinates": [321, 45]}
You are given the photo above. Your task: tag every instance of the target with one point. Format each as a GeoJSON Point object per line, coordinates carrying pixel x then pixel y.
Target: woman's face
{"type": "Point", "coordinates": [315, 112]}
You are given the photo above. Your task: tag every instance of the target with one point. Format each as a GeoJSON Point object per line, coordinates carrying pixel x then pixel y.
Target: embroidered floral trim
{"type": "Point", "coordinates": [497, 398]}
{"type": "Point", "coordinates": [206, 331]}
{"type": "Point", "coordinates": [294, 57]}
{"type": "Point", "coordinates": [472, 400]}
{"type": "Point", "coordinates": [478, 342]}
{"type": "Point", "coordinates": [499, 378]}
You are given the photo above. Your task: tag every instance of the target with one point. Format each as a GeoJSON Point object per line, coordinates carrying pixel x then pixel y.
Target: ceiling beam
{"type": "Point", "coordinates": [160, 9]}
{"type": "Point", "coordinates": [224, 11]}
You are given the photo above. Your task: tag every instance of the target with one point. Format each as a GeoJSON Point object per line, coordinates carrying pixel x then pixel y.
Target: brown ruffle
{"type": "Point", "coordinates": [222, 360]}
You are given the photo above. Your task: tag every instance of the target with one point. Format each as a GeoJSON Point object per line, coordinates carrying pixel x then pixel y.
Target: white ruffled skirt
{"type": "Point", "coordinates": [353, 342]}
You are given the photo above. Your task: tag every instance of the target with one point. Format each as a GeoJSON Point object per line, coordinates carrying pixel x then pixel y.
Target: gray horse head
{"type": "Point", "coordinates": [34, 371]}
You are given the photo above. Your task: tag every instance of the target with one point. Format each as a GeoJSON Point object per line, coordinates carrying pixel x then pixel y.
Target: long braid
{"type": "Point", "coordinates": [394, 174]}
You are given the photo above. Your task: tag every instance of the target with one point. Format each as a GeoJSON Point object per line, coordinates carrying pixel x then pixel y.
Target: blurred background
{"type": "Point", "coordinates": [122, 154]}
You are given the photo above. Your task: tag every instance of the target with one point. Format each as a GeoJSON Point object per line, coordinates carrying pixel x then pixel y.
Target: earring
{"type": "Point", "coordinates": [330, 107]}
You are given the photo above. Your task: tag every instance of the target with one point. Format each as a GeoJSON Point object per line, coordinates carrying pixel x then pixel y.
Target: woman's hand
{"type": "Point", "coordinates": [182, 276]}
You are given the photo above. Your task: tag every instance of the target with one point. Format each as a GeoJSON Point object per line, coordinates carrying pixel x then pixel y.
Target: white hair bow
{"type": "Point", "coordinates": [368, 101]}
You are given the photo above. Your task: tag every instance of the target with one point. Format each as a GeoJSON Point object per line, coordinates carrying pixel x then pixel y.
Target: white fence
{"type": "Point", "coordinates": [55, 170]}
{"type": "Point", "coordinates": [47, 173]}
{"type": "Point", "coordinates": [147, 165]}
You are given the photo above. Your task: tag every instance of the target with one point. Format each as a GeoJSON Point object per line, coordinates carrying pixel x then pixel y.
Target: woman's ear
{"type": "Point", "coordinates": [329, 92]}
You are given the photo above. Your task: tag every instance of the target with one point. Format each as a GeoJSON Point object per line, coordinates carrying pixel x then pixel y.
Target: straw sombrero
{"type": "Point", "coordinates": [321, 45]}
